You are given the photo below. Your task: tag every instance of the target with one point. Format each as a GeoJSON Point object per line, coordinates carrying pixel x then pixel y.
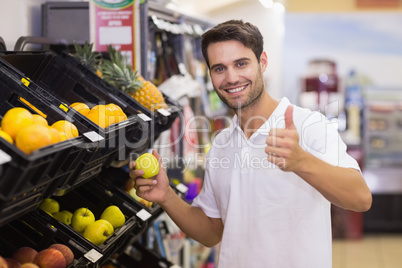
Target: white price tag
{"type": "Point", "coordinates": [182, 188]}
{"type": "Point", "coordinates": [93, 136]}
{"type": "Point", "coordinates": [4, 157]}
{"type": "Point", "coordinates": [143, 215]}
{"type": "Point", "coordinates": [144, 117]}
{"type": "Point", "coordinates": [93, 255]}
{"type": "Point", "coordinates": [164, 112]}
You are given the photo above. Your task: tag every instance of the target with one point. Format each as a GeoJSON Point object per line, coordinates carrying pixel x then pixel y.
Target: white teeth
{"type": "Point", "coordinates": [236, 89]}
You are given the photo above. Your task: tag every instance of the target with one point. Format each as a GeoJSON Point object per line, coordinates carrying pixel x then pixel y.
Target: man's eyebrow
{"type": "Point", "coordinates": [217, 65]}
{"type": "Point", "coordinates": [236, 61]}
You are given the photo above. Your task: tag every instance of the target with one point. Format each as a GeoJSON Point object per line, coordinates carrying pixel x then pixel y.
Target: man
{"type": "Point", "coordinates": [271, 176]}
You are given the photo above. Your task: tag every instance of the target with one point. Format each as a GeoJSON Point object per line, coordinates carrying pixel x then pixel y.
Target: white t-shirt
{"type": "Point", "coordinates": [271, 218]}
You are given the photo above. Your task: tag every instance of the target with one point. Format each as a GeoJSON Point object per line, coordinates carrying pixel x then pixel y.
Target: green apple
{"type": "Point", "coordinates": [149, 163]}
{"type": "Point", "coordinates": [133, 194]}
{"type": "Point", "coordinates": [113, 215]}
{"type": "Point", "coordinates": [97, 232]}
{"type": "Point", "coordinates": [63, 216]}
{"type": "Point", "coordinates": [81, 218]}
{"type": "Point", "coordinates": [49, 205]}
{"type": "Point", "coordinates": [109, 225]}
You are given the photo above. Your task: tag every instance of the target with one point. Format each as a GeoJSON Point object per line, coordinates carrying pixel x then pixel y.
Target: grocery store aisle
{"type": "Point", "coordinates": [372, 251]}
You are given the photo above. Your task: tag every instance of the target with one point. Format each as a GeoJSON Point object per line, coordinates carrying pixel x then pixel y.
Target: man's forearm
{"type": "Point", "coordinates": [344, 187]}
{"type": "Point", "coordinates": [192, 220]}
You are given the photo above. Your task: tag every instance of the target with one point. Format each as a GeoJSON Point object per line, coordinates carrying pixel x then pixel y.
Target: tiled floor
{"type": "Point", "coordinates": [372, 251]}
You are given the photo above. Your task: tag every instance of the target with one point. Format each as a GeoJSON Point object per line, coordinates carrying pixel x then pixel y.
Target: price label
{"type": "Point", "coordinates": [164, 112]}
{"type": "Point", "coordinates": [4, 157]}
{"type": "Point", "coordinates": [144, 117]}
{"type": "Point", "coordinates": [143, 215]}
{"type": "Point", "coordinates": [182, 188]}
{"type": "Point", "coordinates": [93, 136]}
{"type": "Point", "coordinates": [93, 255]}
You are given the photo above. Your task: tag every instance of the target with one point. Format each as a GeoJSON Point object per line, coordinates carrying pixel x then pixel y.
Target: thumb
{"type": "Point", "coordinates": [289, 118]}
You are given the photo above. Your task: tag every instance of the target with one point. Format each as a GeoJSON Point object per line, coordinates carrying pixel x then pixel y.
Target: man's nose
{"type": "Point", "coordinates": [232, 76]}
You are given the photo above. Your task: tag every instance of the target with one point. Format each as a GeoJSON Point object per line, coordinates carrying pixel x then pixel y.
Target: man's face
{"type": "Point", "coordinates": [236, 74]}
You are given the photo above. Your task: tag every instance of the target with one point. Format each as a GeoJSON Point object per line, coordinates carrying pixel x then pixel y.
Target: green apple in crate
{"type": "Point", "coordinates": [81, 218]}
{"type": "Point", "coordinates": [49, 205]}
{"type": "Point", "coordinates": [114, 215]}
{"type": "Point", "coordinates": [63, 216]}
{"type": "Point", "coordinates": [98, 231]}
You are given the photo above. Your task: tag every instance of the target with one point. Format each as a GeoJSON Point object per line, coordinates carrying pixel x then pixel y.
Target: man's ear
{"type": "Point", "coordinates": [263, 61]}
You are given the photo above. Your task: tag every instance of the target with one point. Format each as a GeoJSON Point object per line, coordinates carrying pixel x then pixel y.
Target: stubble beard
{"type": "Point", "coordinates": [252, 99]}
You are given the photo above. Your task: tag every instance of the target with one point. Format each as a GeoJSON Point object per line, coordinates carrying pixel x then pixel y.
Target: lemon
{"type": "Point", "coordinates": [5, 136]}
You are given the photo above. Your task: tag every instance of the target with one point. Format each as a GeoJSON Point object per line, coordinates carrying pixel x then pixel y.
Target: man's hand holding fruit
{"type": "Point", "coordinates": [155, 188]}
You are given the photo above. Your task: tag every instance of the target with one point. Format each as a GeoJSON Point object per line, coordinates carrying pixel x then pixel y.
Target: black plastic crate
{"type": "Point", "coordinates": [101, 146]}
{"type": "Point", "coordinates": [22, 175]}
{"type": "Point", "coordinates": [96, 198]}
{"type": "Point", "coordinates": [161, 120]}
{"type": "Point", "coordinates": [69, 84]}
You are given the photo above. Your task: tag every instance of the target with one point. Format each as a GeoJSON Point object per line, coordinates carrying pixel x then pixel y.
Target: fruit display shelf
{"type": "Point", "coordinates": [160, 120]}
{"type": "Point", "coordinates": [68, 84]}
{"type": "Point", "coordinates": [25, 179]}
{"type": "Point", "coordinates": [96, 198]}
{"type": "Point", "coordinates": [101, 146]}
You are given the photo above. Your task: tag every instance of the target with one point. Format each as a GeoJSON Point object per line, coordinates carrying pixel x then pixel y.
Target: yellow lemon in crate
{"type": "Point", "coordinates": [80, 107]}
{"type": "Point", "coordinates": [5, 136]}
{"type": "Point", "coordinates": [67, 127]}
{"type": "Point", "coordinates": [33, 137]}
{"type": "Point", "coordinates": [16, 119]}
{"type": "Point", "coordinates": [98, 115]}
{"type": "Point", "coordinates": [40, 120]}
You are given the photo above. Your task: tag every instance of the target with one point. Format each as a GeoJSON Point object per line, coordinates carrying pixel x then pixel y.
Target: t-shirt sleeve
{"type": "Point", "coordinates": [321, 138]}
{"type": "Point", "coordinates": [206, 199]}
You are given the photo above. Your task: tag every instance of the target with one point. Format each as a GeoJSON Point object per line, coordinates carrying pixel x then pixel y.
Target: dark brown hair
{"type": "Point", "coordinates": [237, 30]}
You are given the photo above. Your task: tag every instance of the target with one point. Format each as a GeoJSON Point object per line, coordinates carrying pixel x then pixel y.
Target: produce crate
{"type": "Point", "coordinates": [161, 120]}
{"type": "Point", "coordinates": [103, 145]}
{"type": "Point", "coordinates": [69, 84]}
{"type": "Point", "coordinates": [96, 198]}
{"type": "Point", "coordinates": [25, 179]}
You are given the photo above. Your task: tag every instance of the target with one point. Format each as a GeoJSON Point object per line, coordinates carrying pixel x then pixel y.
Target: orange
{"type": "Point", "coordinates": [5, 136]}
{"type": "Point", "coordinates": [98, 115]}
{"type": "Point", "coordinates": [80, 107]}
{"type": "Point", "coordinates": [15, 119]}
{"type": "Point", "coordinates": [55, 134]}
{"type": "Point", "coordinates": [67, 127]}
{"type": "Point", "coordinates": [63, 136]}
{"type": "Point", "coordinates": [32, 138]}
{"type": "Point", "coordinates": [38, 119]}
{"type": "Point", "coordinates": [117, 112]}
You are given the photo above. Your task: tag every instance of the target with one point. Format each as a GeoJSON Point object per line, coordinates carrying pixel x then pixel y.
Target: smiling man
{"type": "Point", "coordinates": [271, 176]}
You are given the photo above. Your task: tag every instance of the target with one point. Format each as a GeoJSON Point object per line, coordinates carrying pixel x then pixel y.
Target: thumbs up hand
{"type": "Point", "coordinates": [283, 147]}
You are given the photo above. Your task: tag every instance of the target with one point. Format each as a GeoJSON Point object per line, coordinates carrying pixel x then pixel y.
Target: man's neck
{"type": "Point", "coordinates": [253, 117]}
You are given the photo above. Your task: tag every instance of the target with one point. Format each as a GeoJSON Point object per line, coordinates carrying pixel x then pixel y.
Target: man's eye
{"type": "Point", "coordinates": [242, 63]}
{"type": "Point", "coordinates": [219, 69]}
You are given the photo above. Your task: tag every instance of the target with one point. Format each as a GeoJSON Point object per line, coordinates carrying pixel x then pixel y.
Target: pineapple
{"type": "Point", "coordinates": [87, 57]}
{"type": "Point", "coordinates": [119, 74]}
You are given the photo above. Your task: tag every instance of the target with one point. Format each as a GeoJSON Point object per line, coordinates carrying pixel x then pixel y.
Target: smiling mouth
{"type": "Point", "coordinates": [237, 89]}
